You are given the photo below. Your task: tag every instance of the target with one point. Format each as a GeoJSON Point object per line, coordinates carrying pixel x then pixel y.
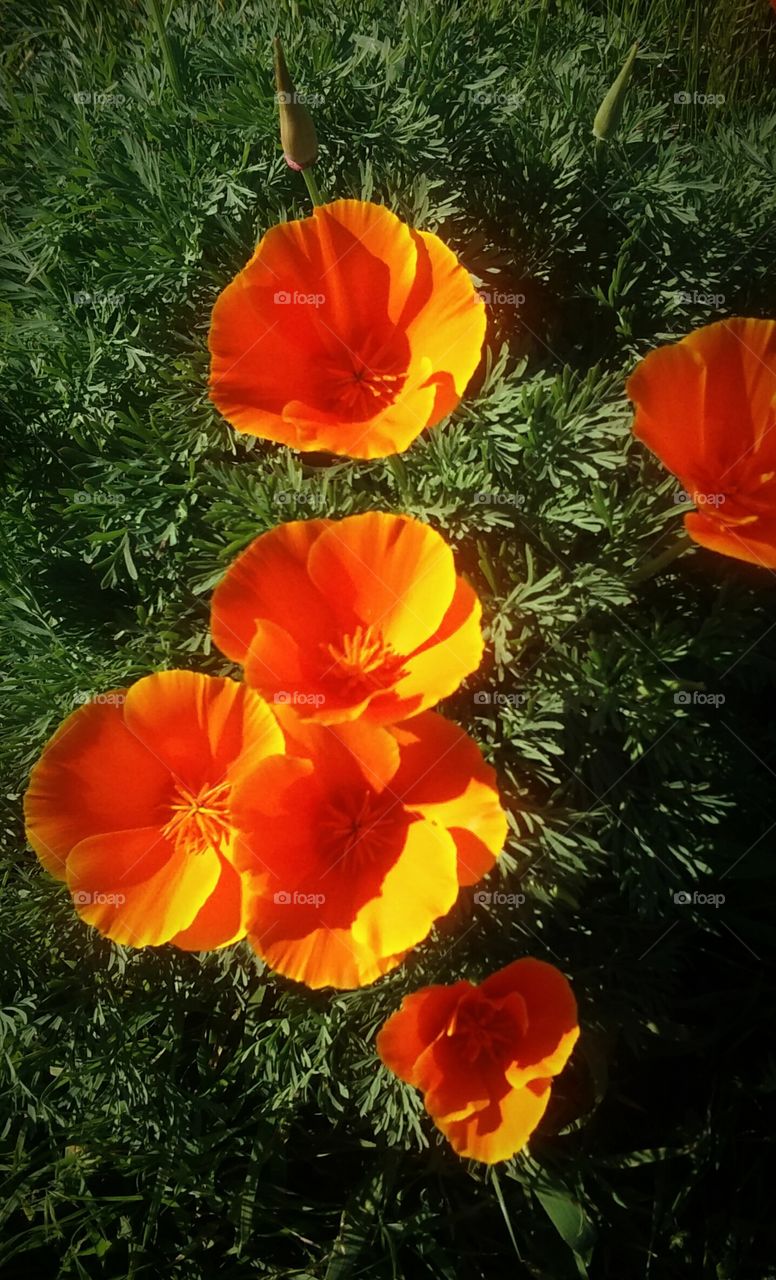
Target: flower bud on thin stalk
{"type": "Point", "coordinates": [297, 131]}
{"type": "Point", "coordinates": [608, 115]}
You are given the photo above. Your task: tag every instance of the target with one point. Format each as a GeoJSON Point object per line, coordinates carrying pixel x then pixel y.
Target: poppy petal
{"type": "Point", "coordinates": [197, 726]}
{"type": "Point", "coordinates": [393, 572]}
{"type": "Point", "coordinates": [437, 668]}
{"type": "Point", "coordinates": [739, 357]}
{"type": "Point", "coordinates": [221, 919]}
{"type": "Point", "coordinates": [140, 891]}
{"type": "Point", "coordinates": [502, 1129]}
{"type": "Point", "coordinates": [269, 581]}
{"type": "Point", "coordinates": [552, 1025]}
{"type": "Point", "coordinates": [444, 778]}
{"type": "Point", "coordinates": [408, 1033]}
{"type": "Point", "coordinates": [448, 334]}
{"type": "Point", "coordinates": [668, 389]}
{"type": "Point", "coordinates": [93, 775]}
{"type": "Point", "coordinates": [755, 542]}
{"type": "Point", "coordinates": [420, 887]}
{"type": "Point", "coordinates": [318, 957]}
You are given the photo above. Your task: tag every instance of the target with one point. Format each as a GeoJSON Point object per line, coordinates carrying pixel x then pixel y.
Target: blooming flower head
{"type": "Point", "coordinates": [358, 839]}
{"type": "Point", "coordinates": [130, 805]}
{"type": "Point", "coordinates": [343, 618]}
{"type": "Point", "coordinates": [707, 407]}
{"type": "Point", "coordinates": [347, 332]}
{"type": "Point", "coordinates": [484, 1056]}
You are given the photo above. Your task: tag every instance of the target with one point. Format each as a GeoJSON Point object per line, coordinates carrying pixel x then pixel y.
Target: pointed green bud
{"type": "Point", "coordinates": [610, 110]}
{"type": "Point", "coordinates": [297, 131]}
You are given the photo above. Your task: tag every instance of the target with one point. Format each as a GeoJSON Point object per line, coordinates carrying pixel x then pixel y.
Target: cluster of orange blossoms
{"type": "Point", "coordinates": [321, 808]}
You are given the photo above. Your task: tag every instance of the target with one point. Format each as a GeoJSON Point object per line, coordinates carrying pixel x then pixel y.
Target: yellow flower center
{"type": "Point", "coordinates": [199, 820]}
{"type": "Point", "coordinates": [364, 658]}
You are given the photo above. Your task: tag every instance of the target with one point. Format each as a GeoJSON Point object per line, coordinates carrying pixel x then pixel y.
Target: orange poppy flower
{"type": "Point", "coordinates": [358, 839]}
{"type": "Point", "coordinates": [707, 407]}
{"type": "Point", "coordinates": [129, 804]}
{"type": "Point", "coordinates": [347, 332]}
{"type": "Point", "coordinates": [484, 1057]}
{"type": "Point", "coordinates": [342, 618]}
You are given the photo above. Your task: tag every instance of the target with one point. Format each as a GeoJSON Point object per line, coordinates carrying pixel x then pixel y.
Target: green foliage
{"type": "Point", "coordinates": [189, 1116]}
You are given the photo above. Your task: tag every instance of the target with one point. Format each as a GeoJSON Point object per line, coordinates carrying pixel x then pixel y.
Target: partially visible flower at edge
{"type": "Point", "coordinates": [706, 405]}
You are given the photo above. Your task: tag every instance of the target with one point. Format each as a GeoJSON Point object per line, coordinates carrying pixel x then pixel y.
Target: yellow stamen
{"type": "Point", "coordinates": [199, 821]}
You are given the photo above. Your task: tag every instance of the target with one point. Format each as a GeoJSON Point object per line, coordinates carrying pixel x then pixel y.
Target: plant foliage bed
{"type": "Point", "coordinates": [191, 1115]}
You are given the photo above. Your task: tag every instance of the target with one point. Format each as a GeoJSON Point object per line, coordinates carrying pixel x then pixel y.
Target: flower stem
{"type": "Point", "coordinates": [659, 562]}
{"type": "Point", "coordinates": [503, 1208]}
{"type": "Point", "coordinates": [312, 186]}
